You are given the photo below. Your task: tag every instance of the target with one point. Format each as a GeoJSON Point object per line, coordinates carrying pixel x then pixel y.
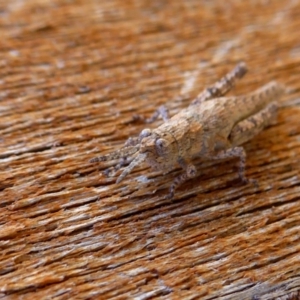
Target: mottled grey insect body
{"type": "Point", "coordinates": [212, 127]}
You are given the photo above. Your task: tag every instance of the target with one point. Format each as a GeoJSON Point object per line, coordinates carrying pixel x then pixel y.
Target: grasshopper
{"type": "Point", "coordinates": [211, 127]}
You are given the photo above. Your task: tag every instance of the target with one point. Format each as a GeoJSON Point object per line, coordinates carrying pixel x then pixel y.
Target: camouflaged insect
{"type": "Point", "coordinates": [212, 127]}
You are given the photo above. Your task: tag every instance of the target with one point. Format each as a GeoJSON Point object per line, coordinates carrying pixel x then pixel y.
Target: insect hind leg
{"type": "Point", "coordinates": [248, 128]}
{"type": "Point", "coordinates": [223, 86]}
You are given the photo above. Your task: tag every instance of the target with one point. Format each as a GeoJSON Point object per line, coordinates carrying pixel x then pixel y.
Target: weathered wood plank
{"type": "Point", "coordinates": [73, 74]}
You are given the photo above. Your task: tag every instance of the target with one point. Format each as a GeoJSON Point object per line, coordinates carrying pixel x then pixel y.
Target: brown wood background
{"type": "Point", "coordinates": [72, 75]}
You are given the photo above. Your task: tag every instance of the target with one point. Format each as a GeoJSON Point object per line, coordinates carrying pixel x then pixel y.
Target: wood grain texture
{"type": "Point", "coordinates": [72, 76]}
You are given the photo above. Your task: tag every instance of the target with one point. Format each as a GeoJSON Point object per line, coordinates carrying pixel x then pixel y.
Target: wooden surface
{"type": "Point", "coordinates": [73, 74]}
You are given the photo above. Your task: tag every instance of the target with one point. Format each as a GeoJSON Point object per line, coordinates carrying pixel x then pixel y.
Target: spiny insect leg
{"type": "Point", "coordinates": [136, 140]}
{"type": "Point", "coordinates": [190, 172]}
{"type": "Point", "coordinates": [247, 129]}
{"type": "Point", "coordinates": [132, 141]}
{"type": "Point", "coordinates": [235, 152]}
{"type": "Point", "coordinates": [223, 86]}
{"type": "Point", "coordinates": [161, 111]}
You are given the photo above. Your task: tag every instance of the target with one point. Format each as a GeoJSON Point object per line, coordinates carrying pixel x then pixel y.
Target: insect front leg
{"type": "Point", "coordinates": [161, 111]}
{"type": "Point", "coordinates": [190, 172]}
{"type": "Point", "coordinates": [135, 141]}
{"type": "Point", "coordinates": [223, 86]}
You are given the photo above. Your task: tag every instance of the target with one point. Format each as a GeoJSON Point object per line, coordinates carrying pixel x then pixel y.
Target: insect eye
{"type": "Point", "coordinates": [145, 132]}
{"type": "Point", "coordinates": [161, 146]}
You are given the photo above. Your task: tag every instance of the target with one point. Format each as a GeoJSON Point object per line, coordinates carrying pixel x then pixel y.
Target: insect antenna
{"type": "Point", "coordinates": [121, 153]}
